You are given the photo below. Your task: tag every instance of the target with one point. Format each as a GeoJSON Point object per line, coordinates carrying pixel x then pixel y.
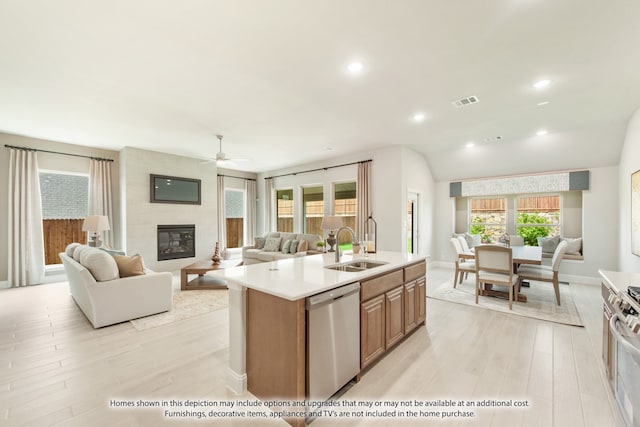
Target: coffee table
{"type": "Point", "coordinates": [202, 281]}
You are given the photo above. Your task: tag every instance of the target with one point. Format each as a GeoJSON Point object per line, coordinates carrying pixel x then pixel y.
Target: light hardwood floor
{"type": "Point", "coordinates": [55, 369]}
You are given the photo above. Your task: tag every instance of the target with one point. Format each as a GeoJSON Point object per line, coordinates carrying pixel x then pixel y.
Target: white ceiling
{"type": "Point", "coordinates": [270, 75]}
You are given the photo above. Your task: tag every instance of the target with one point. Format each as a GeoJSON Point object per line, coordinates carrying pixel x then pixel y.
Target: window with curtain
{"type": "Point", "coordinates": [488, 217]}
{"type": "Point", "coordinates": [313, 209]}
{"type": "Point", "coordinates": [344, 205]}
{"type": "Point", "coordinates": [538, 216]}
{"type": "Point", "coordinates": [65, 205]}
{"type": "Point", "coordinates": [284, 210]}
{"type": "Point", "coordinates": [234, 211]}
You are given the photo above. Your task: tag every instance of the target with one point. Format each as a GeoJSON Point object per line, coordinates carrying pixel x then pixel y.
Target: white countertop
{"type": "Point", "coordinates": [296, 278]}
{"type": "Point", "coordinates": [619, 281]}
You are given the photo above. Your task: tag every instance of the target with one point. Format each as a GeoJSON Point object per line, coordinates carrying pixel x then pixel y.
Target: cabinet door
{"type": "Point", "coordinates": [410, 307]}
{"type": "Point", "coordinates": [421, 300]}
{"type": "Point", "coordinates": [372, 329]}
{"type": "Point", "coordinates": [395, 315]}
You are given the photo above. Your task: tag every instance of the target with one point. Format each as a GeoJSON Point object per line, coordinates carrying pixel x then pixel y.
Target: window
{"type": "Point", "coordinates": [538, 216]}
{"type": "Point", "coordinates": [313, 206]}
{"type": "Point", "coordinates": [488, 218]}
{"type": "Point", "coordinates": [234, 217]}
{"type": "Point", "coordinates": [65, 205]}
{"type": "Point", "coordinates": [344, 205]}
{"type": "Point", "coordinates": [284, 206]}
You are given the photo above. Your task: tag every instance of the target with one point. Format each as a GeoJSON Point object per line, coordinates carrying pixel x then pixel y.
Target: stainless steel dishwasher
{"type": "Point", "coordinates": [333, 340]}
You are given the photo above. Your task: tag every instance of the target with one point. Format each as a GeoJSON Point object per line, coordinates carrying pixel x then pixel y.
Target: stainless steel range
{"type": "Point", "coordinates": [621, 341]}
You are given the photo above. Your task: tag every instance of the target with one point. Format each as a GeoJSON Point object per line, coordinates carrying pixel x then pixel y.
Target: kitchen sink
{"type": "Point", "coordinates": [355, 266]}
{"type": "Point", "coordinates": [365, 264]}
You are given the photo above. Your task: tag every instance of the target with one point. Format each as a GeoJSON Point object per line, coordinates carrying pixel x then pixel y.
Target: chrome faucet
{"type": "Point", "coordinates": [353, 237]}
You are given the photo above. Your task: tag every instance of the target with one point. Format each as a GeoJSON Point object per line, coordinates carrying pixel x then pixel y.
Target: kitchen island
{"type": "Point", "coordinates": [267, 318]}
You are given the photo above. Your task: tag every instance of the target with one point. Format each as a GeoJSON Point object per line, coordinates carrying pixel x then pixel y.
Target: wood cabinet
{"type": "Point", "coordinates": [607, 337]}
{"type": "Point", "coordinates": [394, 310]}
{"type": "Point", "coordinates": [392, 306]}
{"type": "Point", "coordinates": [410, 307]}
{"type": "Point", "coordinates": [372, 329]}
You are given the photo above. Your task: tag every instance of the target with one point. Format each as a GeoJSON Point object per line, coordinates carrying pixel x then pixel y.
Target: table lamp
{"type": "Point", "coordinates": [95, 224]}
{"type": "Point", "coordinates": [332, 223]}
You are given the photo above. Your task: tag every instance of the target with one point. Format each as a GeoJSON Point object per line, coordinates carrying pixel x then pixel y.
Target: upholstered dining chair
{"type": "Point", "coordinates": [463, 266]}
{"type": "Point", "coordinates": [494, 265]}
{"type": "Point", "coordinates": [546, 273]}
{"type": "Point", "coordinates": [464, 244]}
{"type": "Point", "coordinates": [516, 240]}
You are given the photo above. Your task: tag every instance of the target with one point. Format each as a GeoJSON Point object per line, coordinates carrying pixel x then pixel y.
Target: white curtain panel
{"type": "Point", "coordinates": [268, 205]}
{"type": "Point", "coordinates": [222, 229]}
{"type": "Point", "coordinates": [362, 198]}
{"type": "Point", "coordinates": [25, 241]}
{"type": "Point", "coordinates": [250, 191]}
{"type": "Point", "coordinates": [100, 195]}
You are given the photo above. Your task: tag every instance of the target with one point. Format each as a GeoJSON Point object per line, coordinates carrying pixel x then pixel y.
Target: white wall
{"type": "Point", "coordinates": [416, 177]}
{"type": "Point", "coordinates": [55, 162]}
{"type": "Point", "coordinates": [599, 210]}
{"type": "Point", "coordinates": [629, 163]}
{"type": "Point", "coordinates": [141, 217]}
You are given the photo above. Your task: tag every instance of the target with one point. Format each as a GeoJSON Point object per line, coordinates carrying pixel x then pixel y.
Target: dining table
{"type": "Point", "coordinates": [521, 255]}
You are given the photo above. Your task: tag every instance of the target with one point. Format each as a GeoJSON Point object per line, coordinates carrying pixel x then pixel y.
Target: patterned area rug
{"type": "Point", "coordinates": [541, 301]}
{"type": "Point", "coordinates": [186, 304]}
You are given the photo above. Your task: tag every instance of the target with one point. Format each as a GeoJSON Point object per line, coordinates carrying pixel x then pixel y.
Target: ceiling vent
{"type": "Point", "coordinates": [493, 139]}
{"type": "Point", "coordinates": [463, 102]}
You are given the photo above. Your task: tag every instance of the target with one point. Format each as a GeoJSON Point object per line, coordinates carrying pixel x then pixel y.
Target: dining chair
{"type": "Point", "coordinates": [516, 240]}
{"type": "Point", "coordinates": [463, 266]}
{"type": "Point", "coordinates": [464, 244]}
{"type": "Point", "coordinates": [546, 273]}
{"type": "Point", "coordinates": [494, 265]}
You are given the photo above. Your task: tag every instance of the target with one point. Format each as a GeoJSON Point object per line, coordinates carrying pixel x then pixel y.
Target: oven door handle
{"type": "Point", "coordinates": [619, 337]}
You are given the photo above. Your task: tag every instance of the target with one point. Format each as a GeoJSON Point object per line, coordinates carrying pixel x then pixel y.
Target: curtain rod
{"type": "Point", "coordinates": [320, 169]}
{"type": "Point", "coordinates": [237, 177]}
{"type": "Point", "coordinates": [57, 152]}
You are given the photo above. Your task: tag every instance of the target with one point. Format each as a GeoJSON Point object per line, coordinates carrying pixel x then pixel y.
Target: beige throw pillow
{"type": "Point", "coordinates": [101, 265]}
{"type": "Point", "coordinates": [303, 246]}
{"type": "Point", "coordinates": [129, 265]}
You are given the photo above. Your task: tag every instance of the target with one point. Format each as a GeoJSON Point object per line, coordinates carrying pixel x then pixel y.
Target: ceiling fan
{"type": "Point", "coordinates": [221, 158]}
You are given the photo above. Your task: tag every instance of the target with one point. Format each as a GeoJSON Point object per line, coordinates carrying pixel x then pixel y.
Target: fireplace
{"type": "Point", "coordinates": [176, 241]}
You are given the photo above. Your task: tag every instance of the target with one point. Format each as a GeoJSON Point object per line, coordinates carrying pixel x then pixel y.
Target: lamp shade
{"type": "Point", "coordinates": [331, 222]}
{"type": "Point", "coordinates": [96, 223]}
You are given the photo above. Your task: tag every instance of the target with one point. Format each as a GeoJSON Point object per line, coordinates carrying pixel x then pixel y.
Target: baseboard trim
{"type": "Point", "coordinates": [237, 383]}
{"type": "Point", "coordinates": [4, 284]}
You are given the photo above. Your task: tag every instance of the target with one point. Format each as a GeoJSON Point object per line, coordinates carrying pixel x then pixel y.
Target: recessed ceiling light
{"type": "Point", "coordinates": [355, 67]}
{"type": "Point", "coordinates": [543, 103]}
{"type": "Point", "coordinates": [541, 132]}
{"type": "Point", "coordinates": [418, 117]}
{"type": "Point", "coordinates": [541, 84]}
{"type": "Point", "coordinates": [470, 144]}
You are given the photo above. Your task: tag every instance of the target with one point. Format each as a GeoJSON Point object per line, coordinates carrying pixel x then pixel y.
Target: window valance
{"type": "Point", "coordinates": [523, 184]}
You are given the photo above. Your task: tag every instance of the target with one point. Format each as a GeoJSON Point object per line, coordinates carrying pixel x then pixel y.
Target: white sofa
{"type": "Point", "coordinates": [106, 302]}
{"type": "Point", "coordinates": [255, 253]}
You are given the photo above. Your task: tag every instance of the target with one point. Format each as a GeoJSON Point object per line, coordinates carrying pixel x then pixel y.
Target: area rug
{"type": "Point", "coordinates": [186, 304]}
{"type": "Point", "coordinates": [541, 301]}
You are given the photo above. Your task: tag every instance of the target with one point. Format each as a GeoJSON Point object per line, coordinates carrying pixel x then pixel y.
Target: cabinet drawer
{"type": "Point", "coordinates": [378, 285]}
{"type": "Point", "coordinates": [415, 271]}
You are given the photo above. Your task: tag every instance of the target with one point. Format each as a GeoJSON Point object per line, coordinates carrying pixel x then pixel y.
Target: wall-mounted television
{"type": "Point", "coordinates": [173, 189]}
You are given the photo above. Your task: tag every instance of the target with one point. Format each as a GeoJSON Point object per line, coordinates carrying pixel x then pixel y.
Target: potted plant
{"type": "Point", "coordinates": [320, 245]}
